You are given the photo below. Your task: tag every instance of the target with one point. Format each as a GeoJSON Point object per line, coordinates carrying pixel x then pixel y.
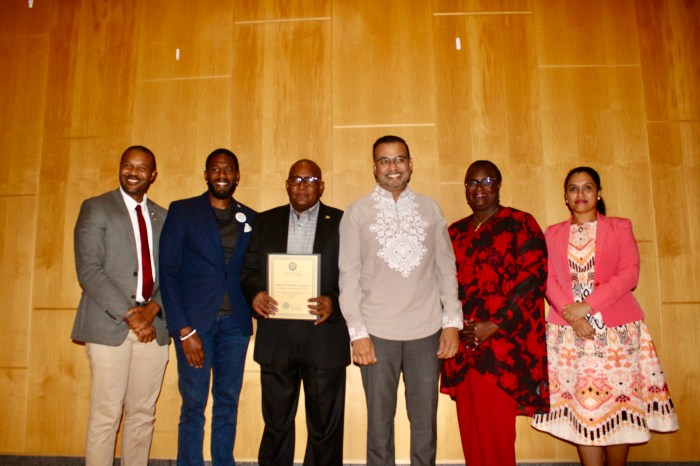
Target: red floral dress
{"type": "Point", "coordinates": [502, 274]}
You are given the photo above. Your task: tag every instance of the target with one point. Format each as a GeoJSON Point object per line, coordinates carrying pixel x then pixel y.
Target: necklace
{"type": "Point", "coordinates": [479, 223]}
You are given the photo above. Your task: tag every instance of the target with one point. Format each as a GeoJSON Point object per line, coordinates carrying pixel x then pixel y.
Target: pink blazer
{"type": "Point", "coordinates": [616, 272]}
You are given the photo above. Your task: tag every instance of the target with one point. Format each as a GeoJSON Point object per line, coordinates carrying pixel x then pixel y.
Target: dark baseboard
{"type": "Point", "coordinates": [10, 460]}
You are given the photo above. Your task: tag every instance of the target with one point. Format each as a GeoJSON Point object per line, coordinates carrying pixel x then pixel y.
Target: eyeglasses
{"type": "Point", "coordinates": [386, 161]}
{"type": "Point", "coordinates": [485, 183]}
{"type": "Point", "coordinates": [307, 180]}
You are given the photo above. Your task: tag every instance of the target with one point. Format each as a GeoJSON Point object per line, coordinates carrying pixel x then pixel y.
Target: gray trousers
{"type": "Point", "coordinates": [418, 361]}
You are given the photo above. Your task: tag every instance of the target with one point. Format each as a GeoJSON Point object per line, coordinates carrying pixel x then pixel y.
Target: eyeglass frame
{"type": "Point", "coordinates": [476, 183]}
{"type": "Point", "coordinates": [398, 160]}
{"type": "Point", "coordinates": [305, 180]}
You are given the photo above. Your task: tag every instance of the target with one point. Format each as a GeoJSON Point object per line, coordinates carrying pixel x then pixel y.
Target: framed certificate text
{"type": "Point", "coordinates": [292, 280]}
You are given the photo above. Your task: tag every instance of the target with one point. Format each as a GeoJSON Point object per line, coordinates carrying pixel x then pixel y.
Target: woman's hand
{"type": "Point", "coordinates": [477, 332]}
{"type": "Point", "coordinates": [576, 311]}
{"type": "Point", "coordinates": [583, 329]}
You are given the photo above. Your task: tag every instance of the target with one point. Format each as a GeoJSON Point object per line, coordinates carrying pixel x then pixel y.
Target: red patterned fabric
{"type": "Point", "coordinates": [502, 271]}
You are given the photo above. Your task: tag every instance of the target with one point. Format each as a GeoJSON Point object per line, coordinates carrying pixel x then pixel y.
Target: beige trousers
{"type": "Point", "coordinates": [125, 378]}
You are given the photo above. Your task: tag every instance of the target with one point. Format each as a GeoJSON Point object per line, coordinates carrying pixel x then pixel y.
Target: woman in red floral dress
{"type": "Point", "coordinates": [500, 370]}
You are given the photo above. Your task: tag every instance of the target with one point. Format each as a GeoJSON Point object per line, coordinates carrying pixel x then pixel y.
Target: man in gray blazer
{"type": "Point", "coordinates": [119, 317]}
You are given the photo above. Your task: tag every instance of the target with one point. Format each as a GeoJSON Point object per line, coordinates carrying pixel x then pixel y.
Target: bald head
{"type": "Point", "coordinates": [310, 164]}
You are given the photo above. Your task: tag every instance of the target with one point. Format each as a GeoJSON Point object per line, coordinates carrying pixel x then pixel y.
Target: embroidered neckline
{"type": "Point", "coordinates": [400, 230]}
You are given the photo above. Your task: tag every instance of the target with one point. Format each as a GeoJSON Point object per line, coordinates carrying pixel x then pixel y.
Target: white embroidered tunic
{"type": "Point", "coordinates": [397, 268]}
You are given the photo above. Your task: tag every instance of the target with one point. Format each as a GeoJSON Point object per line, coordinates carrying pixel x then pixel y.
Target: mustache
{"type": "Point", "coordinates": [219, 194]}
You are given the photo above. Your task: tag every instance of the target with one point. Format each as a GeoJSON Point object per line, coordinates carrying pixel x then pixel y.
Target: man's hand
{"type": "Point", "coordinates": [264, 305]}
{"type": "Point", "coordinates": [322, 307]}
{"type": "Point", "coordinates": [449, 343]}
{"type": "Point", "coordinates": [147, 334]}
{"type": "Point", "coordinates": [139, 318]}
{"type": "Point", "coordinates": [363, 352]}
{"type": "Point", "coordinates": [192, 347]}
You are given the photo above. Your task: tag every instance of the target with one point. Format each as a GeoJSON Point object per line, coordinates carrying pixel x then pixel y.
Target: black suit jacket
{"type": "Point", "coordinates": [331, 342]}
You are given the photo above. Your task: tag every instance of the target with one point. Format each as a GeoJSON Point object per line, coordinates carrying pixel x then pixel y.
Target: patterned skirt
{"type": "Point", "coordinates": [607, 391]}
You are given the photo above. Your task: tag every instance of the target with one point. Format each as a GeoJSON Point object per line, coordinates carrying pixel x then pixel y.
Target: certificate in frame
{"type": "Point", "coordinates": [292, 280]}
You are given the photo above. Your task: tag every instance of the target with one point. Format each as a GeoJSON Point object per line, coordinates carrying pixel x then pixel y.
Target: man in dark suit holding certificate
{"type": "Point", "coordinates": [291, 351]}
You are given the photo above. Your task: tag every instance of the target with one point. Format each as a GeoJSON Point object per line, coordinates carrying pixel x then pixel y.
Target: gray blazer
{"type": "Point", "coordinates": [107, 267]}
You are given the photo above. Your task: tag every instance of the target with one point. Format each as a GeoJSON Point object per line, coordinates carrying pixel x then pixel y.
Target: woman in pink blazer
{"type": "Point", "coordinates": [607, 386]}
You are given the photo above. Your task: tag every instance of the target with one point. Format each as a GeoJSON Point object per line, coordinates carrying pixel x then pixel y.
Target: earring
{"type": "Point", "coordinates": [598, 197]}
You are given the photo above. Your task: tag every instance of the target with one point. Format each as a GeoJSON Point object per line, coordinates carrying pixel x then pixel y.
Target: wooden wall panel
{"type": "Point", "coordinates": [23, 68]}
{"type": "Point", "coordinates": [355, 439]}
{"type": "Point", "coordinates": [674, 149]}
{"type": "Point", "coordinates": [539, 87]}
{"type": "Point", "coordinates": [256, 11]}
{"type": "Point", "coordinates": [167, 412]}
{"type": "Point", "coordinates": [449, 444]}
{"type": "Point", "coordinates": [453, 201]}
{"type": "Point", "coordinates": [648, 293]}
{"type": "Point", "coordinates": [595, 117]}
{"type": "Point", "coordinates": [91, 68]}
{"type": "Point", "coordinates": [250, 421]}
{"type": "Point", "coordinates": [554, 191]}
{"type": "Point", "coordinates": [446, 7]}
{"type": "Point", "coordinates": [281, 102]}
{"type": "Point", "coordinates": [682, 371]}
{"type": "Point", "coordinates": [669, 42]}
{"type": "Point", "coordinates": [182, 121]}
{"type": "Point", "coordinates": [487, 93]}
{"type": "Point", "coordinates": [383, 65]}
{"type": "Point", "coordinates": [13, 410]}
{"type": "Point", "coordinates": [201, 31]}
{"type": "Point", "coordinates": [532, 444]}
{"type": "Point", "coordinates": [18, 19]}
{"type": "Point", "coordinates": [59, 387]}
{"type": "Point", "coordinates": [71, 171]}
{"type": "Point", "coordinates": [17, 229]}
{"type": "Point", "coordinates": [595, 32]}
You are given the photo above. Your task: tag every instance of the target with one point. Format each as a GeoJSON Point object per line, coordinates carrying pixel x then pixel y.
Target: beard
{"type": "Point", "coordinates": [221, 194]}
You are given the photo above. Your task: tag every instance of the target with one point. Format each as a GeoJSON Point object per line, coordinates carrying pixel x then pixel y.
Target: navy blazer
{"type": "Point", "coordinates": [193, 272]}
{"type": "Point", "coordinates": [331, 341]}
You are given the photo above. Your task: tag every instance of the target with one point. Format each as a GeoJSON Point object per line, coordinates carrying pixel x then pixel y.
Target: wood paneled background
{"type": "Point", "coordinates": [537, 86]}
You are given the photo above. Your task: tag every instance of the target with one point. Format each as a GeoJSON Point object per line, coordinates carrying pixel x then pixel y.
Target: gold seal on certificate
{"type": "Point", "coordinates": [292, 280]}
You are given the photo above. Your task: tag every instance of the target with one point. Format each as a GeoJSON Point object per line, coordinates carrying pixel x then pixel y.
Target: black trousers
{"type": "Point", "coordinates": [324, 392]}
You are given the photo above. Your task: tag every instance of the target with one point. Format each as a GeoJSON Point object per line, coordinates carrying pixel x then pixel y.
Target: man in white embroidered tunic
{"type": "Point", "coordinates": [398, 294]}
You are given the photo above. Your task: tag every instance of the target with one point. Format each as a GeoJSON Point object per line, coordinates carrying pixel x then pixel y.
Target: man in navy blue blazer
{"type": "Point", "coordinates": [202, 248]}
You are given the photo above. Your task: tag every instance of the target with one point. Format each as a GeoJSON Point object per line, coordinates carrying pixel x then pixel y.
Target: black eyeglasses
{"type": "Point", "coordinates": [307, 180]}
{"type": "Point", "coordinates": [485, 183]}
